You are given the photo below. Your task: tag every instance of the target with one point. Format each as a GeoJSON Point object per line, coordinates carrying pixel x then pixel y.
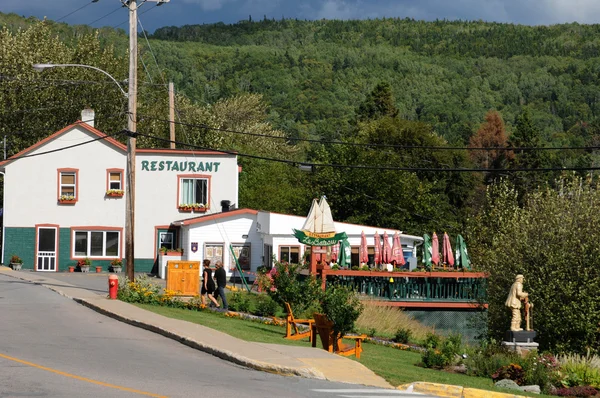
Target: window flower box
{"type": "Point", "coordinates": [67, 199]}
{"type": "Point", "coordinates": [115, 193]}
{"type": "Point", "coordinates": [195, 207]}
{"type": "Point", "coordinates": [171, 252]}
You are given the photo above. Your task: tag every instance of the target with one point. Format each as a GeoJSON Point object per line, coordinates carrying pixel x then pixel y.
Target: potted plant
{"type": "Point", "coordinates": [115, 193]}
{"type": "Point", "coordinates": [98, 269]}
{"type": "Point", "coordinates": [16, 262]}
{"type": "Point", "coordinates": [84, 264]}
{"type": "Point", "coordinates": [72, 268]}
{"type": "Point", "coordinates": [116, 265]}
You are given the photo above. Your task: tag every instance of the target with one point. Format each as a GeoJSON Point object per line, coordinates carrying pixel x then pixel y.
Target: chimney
{"type": "Point", "coordinates": [87, 116]}
{"type": "Point", "coordinates": [225, 205]}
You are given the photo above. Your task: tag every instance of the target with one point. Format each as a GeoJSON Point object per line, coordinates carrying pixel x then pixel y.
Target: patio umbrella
{"type": "Point", "coordinates": [397, 250]}
{"type": "Point", "coordinates": [462, 256]}
{"type": "Point", "coordinates": [363, 251]}
{"type": "Point", "coordinates": [435, 249]}
{"type": "Point", "coordinates": [427, 250]}
{"type": "Point", "coordinates": [377, 249]}
{"type": "Point", "coordinates": [345, 253]}
{"type": "Point", "coordinates": [447, 256]}
{"type": "Point", "coordinates": [335, 250]}
{"type": "Point", "coordinates": [387, 249]}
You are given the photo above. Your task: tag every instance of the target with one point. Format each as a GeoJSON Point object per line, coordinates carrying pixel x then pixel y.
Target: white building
{"type": "Point", "coordinates": [64, 201]}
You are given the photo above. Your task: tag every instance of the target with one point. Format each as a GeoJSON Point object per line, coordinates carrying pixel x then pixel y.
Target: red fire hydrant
{"type": "Point", "coordinates": [113, 286]}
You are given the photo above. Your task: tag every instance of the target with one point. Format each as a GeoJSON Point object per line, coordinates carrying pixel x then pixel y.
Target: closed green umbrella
{"type": "Point", "coordinates": [427, 250]}
{"type": "Point", "coordinates": [345, 256]}
{"type": "Point", "coordinates": [462, 256]}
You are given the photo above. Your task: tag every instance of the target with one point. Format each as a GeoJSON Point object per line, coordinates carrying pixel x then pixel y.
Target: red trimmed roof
{"type": "Point", "coordinates": [216, 216]}
{"type": "Point", "coordinates": [79, 123]}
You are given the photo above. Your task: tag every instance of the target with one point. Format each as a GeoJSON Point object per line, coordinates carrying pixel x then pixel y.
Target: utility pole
{"type": "Point", "coordinates": [172, 114]}
{"type": "Point", "coordinates": [131, 142]}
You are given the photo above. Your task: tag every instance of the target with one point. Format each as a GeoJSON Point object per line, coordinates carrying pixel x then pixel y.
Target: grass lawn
{"type": "Point", "coordinates": [395, 366]}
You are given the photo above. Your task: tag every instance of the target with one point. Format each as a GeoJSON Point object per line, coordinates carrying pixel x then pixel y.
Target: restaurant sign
{"type": "Point", "coordinates": [170, 165]}
{"type": "Point", "coordinates": [319, 239]}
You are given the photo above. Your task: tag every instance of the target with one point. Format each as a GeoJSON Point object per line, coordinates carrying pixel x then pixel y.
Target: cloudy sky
{"type": "Point", "coordinates": [99, 13]}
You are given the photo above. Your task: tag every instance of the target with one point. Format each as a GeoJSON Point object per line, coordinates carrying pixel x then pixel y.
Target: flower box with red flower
{"type": "Point", "coordinates": [115, 193]}
{"type": "Point", "coordinates": [67, 199]}
{"type": "Point", "coordinates": [195, 207]}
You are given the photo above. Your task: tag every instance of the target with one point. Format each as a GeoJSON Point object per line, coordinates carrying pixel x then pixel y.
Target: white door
{"type": "Point", "coordinates": [46, 249]}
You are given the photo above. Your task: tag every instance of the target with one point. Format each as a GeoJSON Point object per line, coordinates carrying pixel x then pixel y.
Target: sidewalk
{"type": "Point", "coordinates": [281, 359]}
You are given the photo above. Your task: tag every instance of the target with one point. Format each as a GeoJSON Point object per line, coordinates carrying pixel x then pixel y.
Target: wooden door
{"type": "Point", "coordinates": [183, 277]}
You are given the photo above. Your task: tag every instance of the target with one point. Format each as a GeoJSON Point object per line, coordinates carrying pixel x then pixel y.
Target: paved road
{"type": "Point", "coordinates": [54, 347]}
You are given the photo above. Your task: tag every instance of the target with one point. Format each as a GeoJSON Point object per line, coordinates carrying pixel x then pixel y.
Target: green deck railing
{"type": "Point", "coordinates": [458, 287]}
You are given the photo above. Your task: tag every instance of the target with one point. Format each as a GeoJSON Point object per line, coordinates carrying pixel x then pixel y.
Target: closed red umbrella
{"type": "Point", "coordinates": [335, 251]}
{"type": "Point", "coordinates": [387, 249]}
{"type": "Point", "coordinates": [435, 252]}
{"type": "Point", "coordinates": [397, 250]}
{"type": "Point", "coordinates": [447, 256]}
{"type": "Point", "coordinates": [363, 251]}
{"type": "Point", "coordinates": [377, 249]}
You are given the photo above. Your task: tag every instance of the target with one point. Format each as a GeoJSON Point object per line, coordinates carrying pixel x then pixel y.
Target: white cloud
{"type": "Point", "coordinates": [210, 5]}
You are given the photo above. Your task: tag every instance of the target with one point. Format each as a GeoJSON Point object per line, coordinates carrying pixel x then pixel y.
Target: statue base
{"type": "Point", "coordinates": [521, 336]}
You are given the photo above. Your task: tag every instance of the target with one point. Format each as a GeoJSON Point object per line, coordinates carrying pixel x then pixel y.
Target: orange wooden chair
{"type": "Point", "coordinates": [324, 328]}
{"type": "Point", "coordinates": [292, 323]}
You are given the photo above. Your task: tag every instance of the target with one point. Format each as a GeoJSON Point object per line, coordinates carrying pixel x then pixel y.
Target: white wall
{"type": "Point", "coordinates": [157, 192]}
{"type": "Point", "coordinates": [227, 231]}
{"type": "Point", "coordinates": [31, 184]}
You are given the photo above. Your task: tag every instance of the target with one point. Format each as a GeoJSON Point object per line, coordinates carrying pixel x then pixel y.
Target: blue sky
{"type": "Point", "coordinates": [186, 12]}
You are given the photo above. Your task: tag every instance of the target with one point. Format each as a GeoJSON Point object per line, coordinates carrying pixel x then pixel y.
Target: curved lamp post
{"type": "Point", "coordinates": [131, 147]}
{"type": "Point", "coordinates": [42, 67]}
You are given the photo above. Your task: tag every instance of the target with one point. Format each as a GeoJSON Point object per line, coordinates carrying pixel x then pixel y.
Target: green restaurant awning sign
{"type": "Point", "coordinates": [319, 239]}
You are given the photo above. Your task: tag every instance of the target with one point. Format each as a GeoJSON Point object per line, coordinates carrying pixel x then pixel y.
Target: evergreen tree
{"type": "Point", "coordinates": [379, 103]}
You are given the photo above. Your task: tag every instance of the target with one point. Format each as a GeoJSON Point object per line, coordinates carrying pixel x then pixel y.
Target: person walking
{"type": "Point", "coordinates": [208, 284]}
{"type": "Point", "coordinates": [221, 278]}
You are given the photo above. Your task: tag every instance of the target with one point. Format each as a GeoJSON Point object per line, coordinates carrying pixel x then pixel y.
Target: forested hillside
{"type": "Point", "coordinates": [449, 74]}
{"type": "Point", "coordinates": [382, 86]}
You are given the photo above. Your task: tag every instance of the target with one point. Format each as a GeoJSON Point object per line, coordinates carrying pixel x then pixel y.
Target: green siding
{"type": "Point", "coordinates": [21, 241]}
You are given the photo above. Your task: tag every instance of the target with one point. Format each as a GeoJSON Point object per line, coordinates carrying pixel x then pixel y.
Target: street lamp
{"type": "Point", "coordinates": [42, 67]}
{"type": "Point", "coordinates": [131, 147]}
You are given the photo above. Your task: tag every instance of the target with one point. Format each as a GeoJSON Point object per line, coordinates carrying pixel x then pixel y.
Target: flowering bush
{"type": "Point", "coordinates": [117, 262]}
{"type": "Point", "coordinates": [513, 372]}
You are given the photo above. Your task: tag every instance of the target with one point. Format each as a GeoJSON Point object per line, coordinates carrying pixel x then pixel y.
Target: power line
{"type": "Point", "coordinates": [73, 12]}
{"type": "Point", "coordinates": [102, 17]}
{"type": "Point", "coordinates": [367, 167]}
{"type": "Point", "coordinates": [374, 145]}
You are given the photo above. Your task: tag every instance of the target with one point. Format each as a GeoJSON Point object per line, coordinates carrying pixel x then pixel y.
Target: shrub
{"type": "Point", "coordinates": [265, 306]}
{"type": "Point", "coordinates": [239, 301]}
{"type": "Point", "coordinates": [540, 370]}
{"type": "Point", "coordinates": [402, 335]}
{"type": "Point", "coordinates": [372, 332]}
{"type": "Point", "coordinates": [580, 370]}
{"type": "Point", "coordinates": [342, 307]}
{"type": "Point", "coordinates": [432, 340]}
{"type": "Point", "coordinates": [579, 391]}
{"type": "Point", "coordinates": [512, 371]}
{"type": "Point", "coordinates": [141, 290]}
{"type": "Point", "coordinates": [485, 360]}
{"type": "Point", "coordinates": [288, 286]}
{"type": "Point", "coordinates": [433, 358]}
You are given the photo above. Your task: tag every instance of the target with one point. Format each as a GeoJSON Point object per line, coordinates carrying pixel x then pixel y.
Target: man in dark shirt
{"type": "Point", "coordinates": [221, 278]}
